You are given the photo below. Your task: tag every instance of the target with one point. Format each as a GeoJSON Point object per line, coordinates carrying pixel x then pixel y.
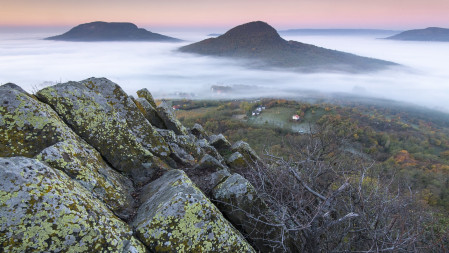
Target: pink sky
{"type": "Point", "coordinates": [283, 14]}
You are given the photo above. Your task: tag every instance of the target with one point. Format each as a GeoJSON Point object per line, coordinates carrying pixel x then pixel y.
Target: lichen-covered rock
{"type": "Point", "coordinates": [144, 93]}
{"type": "Point", "coordinates": [209, 149]}
{"type": "Point", "coordinates": [144, 132]}
{"type": "Point", "coordinates": [27, 126]}
{"type": "Point", "coordinates": [166, 114]}
{"type": "Point", "coordinates": [238, 200]}
{"type": "Point", "coordinates": [149, 112]}
{"type": "Point", "coordinates": [177, 217]}
{"type": "Point", "coordinates": [204, 173]}
{"type": "Point", "coordinates": [218, 177]}
{"type": "Point", "coordinates": [246, 150]}
{"type": "Point", "coordinates": [236, 161]}
{"type": "Point", "coordinates": [31, 128]}
{"type": "Point", "coordinates": [208, 162]}
{"type": "Point", "coordinates": [220, 143]}
{"type": "Point", "coordinates": [189, 144]}
{"type": "Point", "coordinates": [199, 131]}
{"type": "Point", "coordinates": [181, 156]}
{"type": "Point", "coordinates": [85, 165]}
{"type": "Point", "coordinates": [185, 147]}
{"type": "Point", "coordinates": [43, 210]}
{"type": "Point", "coordinates": [92, 117]}
{"type": "Point", "coordinates": [13, 86]}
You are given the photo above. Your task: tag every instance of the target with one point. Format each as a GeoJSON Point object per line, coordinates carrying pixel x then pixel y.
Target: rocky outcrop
{"type": "Point", "coordinates": [170, 121]}
{"type": "Point", "coordinates": [126, 109]}
{"type": "Point", "coordinates": [221, 144]}
{"type": "Point", "coordinates": [209, 149]}
{"type": "Point", "coordinates": [28, 126]}
{"type": "Point", "coordinates": [248, 153]}
{"type": "Point", "coordinates": [43, 210]}
{"type": "Point", "coordinates": [238, 200]}
{"type": "Point", "coordinates": [102, 125]}
{"type": "Point", "coordinates": [146, 94]}
{"type": "Point", "coordinates": [84, 167]}
{"type": "Point", "coordinates": [32, 129]}
{"type": "Point", "coordinates": [149, 112]}
{"type": "Point", "coordinates": [236, 161]}
{"type": "Point", "coordinates": [177, 217]}
{"type": "Point", "coordinates": [199, 131]}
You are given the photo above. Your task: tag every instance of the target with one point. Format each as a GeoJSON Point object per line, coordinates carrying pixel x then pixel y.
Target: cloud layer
{"type": "Point", "coordinates": [30, 62]}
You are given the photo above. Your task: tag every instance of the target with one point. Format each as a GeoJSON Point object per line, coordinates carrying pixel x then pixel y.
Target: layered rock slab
{"type": "Point", "coordinates": [43, 210]}
{"type": "Point", "coordinates": [177, 217]}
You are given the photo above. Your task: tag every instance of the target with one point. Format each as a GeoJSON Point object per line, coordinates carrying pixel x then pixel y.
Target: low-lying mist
{"type": "Point", "coordinates": [32, 63]}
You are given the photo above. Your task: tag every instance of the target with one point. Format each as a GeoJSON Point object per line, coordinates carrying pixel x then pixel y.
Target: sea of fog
{"type": "Point", "coordinates": [32, 63]}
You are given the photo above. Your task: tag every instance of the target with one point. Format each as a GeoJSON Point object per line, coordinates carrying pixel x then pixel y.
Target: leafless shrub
{"type": "Point", "coordinates": [331, 200]}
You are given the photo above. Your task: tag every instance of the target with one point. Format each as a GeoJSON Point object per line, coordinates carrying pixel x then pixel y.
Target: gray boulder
{"type": "Point", "coordinates": [93, 118]}
{"type": "Point", "coordinates": [238, 200]}
{"type": "Point", "coordinates": [31, 128]}
{"type": "Point", "coordinates": [220, 143]}
{"type": "Point", "coordinates": [199, 131]}
{"type": "Point", "coordinates": [43, 210]}
{"type": "Point", "coordinates": [176, 217]}
{"type": "Point", "coordinates": [28, 126]}
{"type": "Point", "coordinates": [247, 152]}
{"type": "Point", "coordinates": [166, 114]}
{"type": "Point", "coordinates": [209, 149]}
{"type": "Point", "coordinates": [13, 86]}
{"type": "Point", "coordinates": [84, 164]}
{"type": "Point", "coordinates": [144, 93]}
{"type": "Point", "coordinates": [126, 109]}
{"type": "Point", "coordinates": [149, 112]}
{"type": "Point", "coordinates": [237, 161]}
{"type": "Point", "coordinates": [207, 173]}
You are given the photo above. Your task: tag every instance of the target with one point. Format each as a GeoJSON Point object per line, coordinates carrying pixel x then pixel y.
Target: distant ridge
{"type": "Point", "coordinates": [341, 32]}
{"type": "Point", "coordinates": [260, 43]}
{"type": "Point", "coordinates": [104, 31]}
{"type": "Point", "coordinates": [428, 34]}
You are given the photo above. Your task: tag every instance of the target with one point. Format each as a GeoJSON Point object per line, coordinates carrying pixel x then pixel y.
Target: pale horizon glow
{"type": "Point", "coordinates": [287, 14]}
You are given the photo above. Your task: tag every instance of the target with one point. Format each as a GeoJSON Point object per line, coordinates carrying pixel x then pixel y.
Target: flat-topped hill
{"type": "Point", "coordinates": [104, 31]}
